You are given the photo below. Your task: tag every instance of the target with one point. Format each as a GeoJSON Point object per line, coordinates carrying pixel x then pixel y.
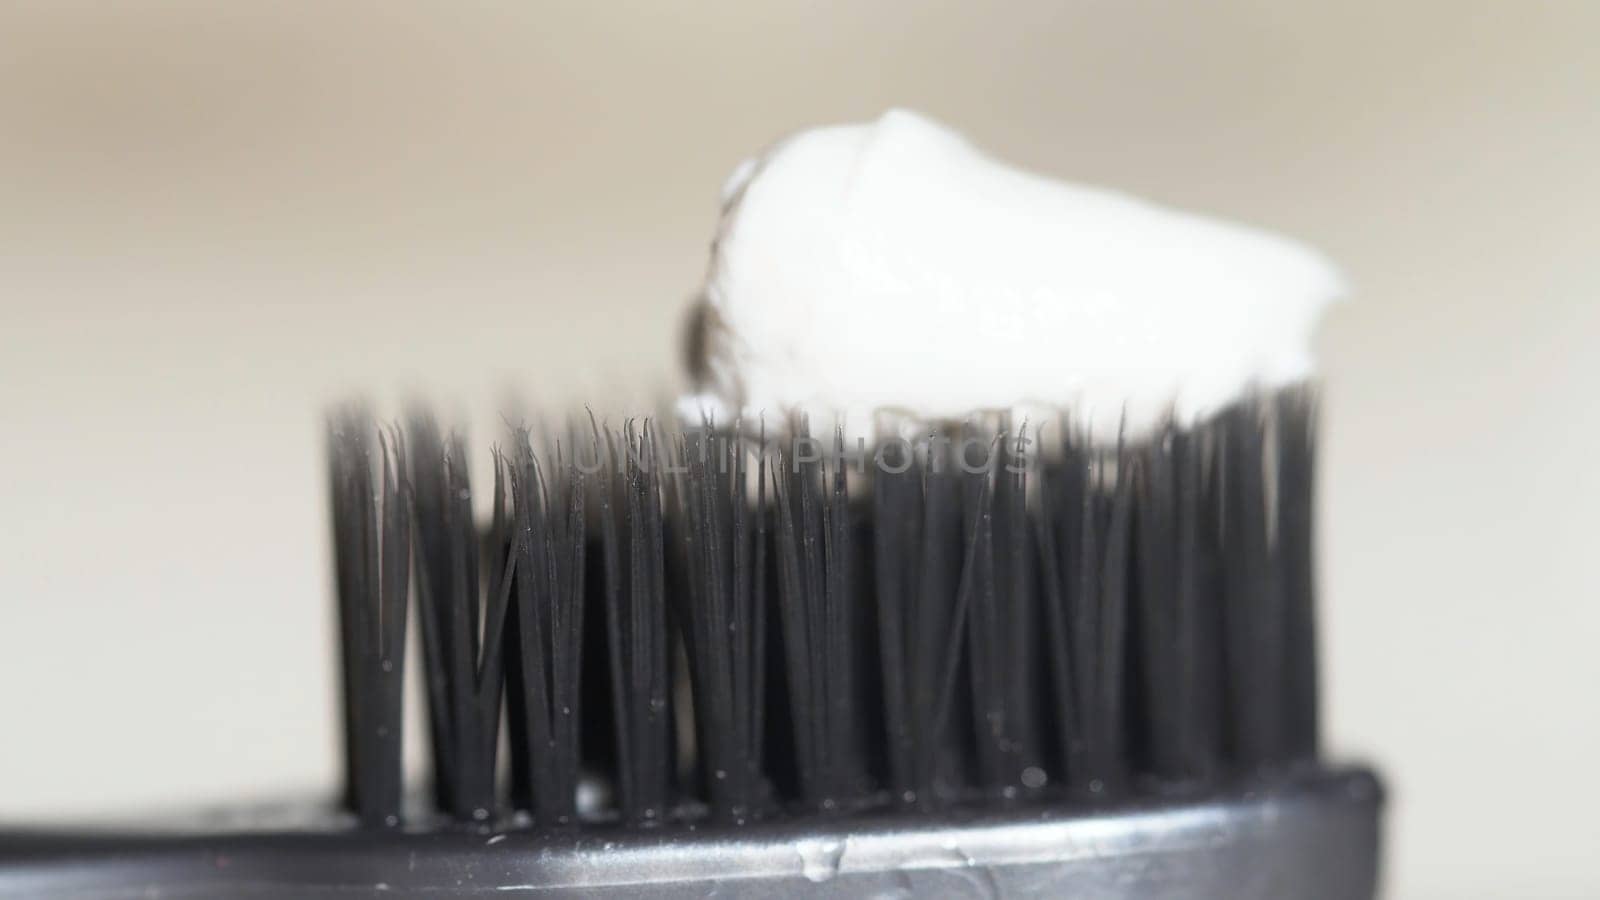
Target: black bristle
{"type": "Point", "coordinates": [1173, 602]}
{"type": "Point", "coordinates": [634, 588]}
{"type": "Point", "coordinates": [914, 601]}
{"type": "Point", "coordinates": [724, 616]}
{"type": "Point", "coordinates": [966, 618]}
{"type": "Point", "coordinates": [1252, 610]}
{"type": "Point", "coordinates": [1296, 577]}
{"type": "Point", "coordinates": [463, 617]}
{"type": "Point", "coordinates": [1086, 513]}
{"type": "Point", "coordinates": [1002, 624]}
{"type": "Point", "coordinates": [818, 603]}
{"type": "Point", "coordinates": [547, 593]}
{"type": "Point", "coordinates": [372, 550]}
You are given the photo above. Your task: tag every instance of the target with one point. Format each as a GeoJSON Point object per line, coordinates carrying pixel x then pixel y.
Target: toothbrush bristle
{"type": "Point", "coordinates": [715, 622]}
{"type": "Point", "coordinates": [372, 563]}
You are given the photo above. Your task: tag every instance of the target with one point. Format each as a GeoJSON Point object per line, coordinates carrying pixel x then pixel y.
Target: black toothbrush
{"type": "Point", "coordinates": [740, 665]}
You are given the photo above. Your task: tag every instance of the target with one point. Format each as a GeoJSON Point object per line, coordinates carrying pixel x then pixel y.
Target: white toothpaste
{"type": "Point", "coordinates": [893, 267]}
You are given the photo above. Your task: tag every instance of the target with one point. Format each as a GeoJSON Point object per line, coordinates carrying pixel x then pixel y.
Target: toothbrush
{"type": "Point", "coordinates": [978, 563]}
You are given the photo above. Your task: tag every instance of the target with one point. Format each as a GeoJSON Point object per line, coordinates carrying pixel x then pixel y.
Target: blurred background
{"type": "Point", "coordinates": [217, 218]}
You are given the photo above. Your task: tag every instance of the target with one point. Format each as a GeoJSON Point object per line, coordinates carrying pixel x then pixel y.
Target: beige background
{"type": "Point", "coordinates": [214, 218]}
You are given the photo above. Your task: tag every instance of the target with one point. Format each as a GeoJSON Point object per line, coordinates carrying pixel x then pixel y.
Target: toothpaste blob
{"type": "Point", "coordinates": [893, 267]}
